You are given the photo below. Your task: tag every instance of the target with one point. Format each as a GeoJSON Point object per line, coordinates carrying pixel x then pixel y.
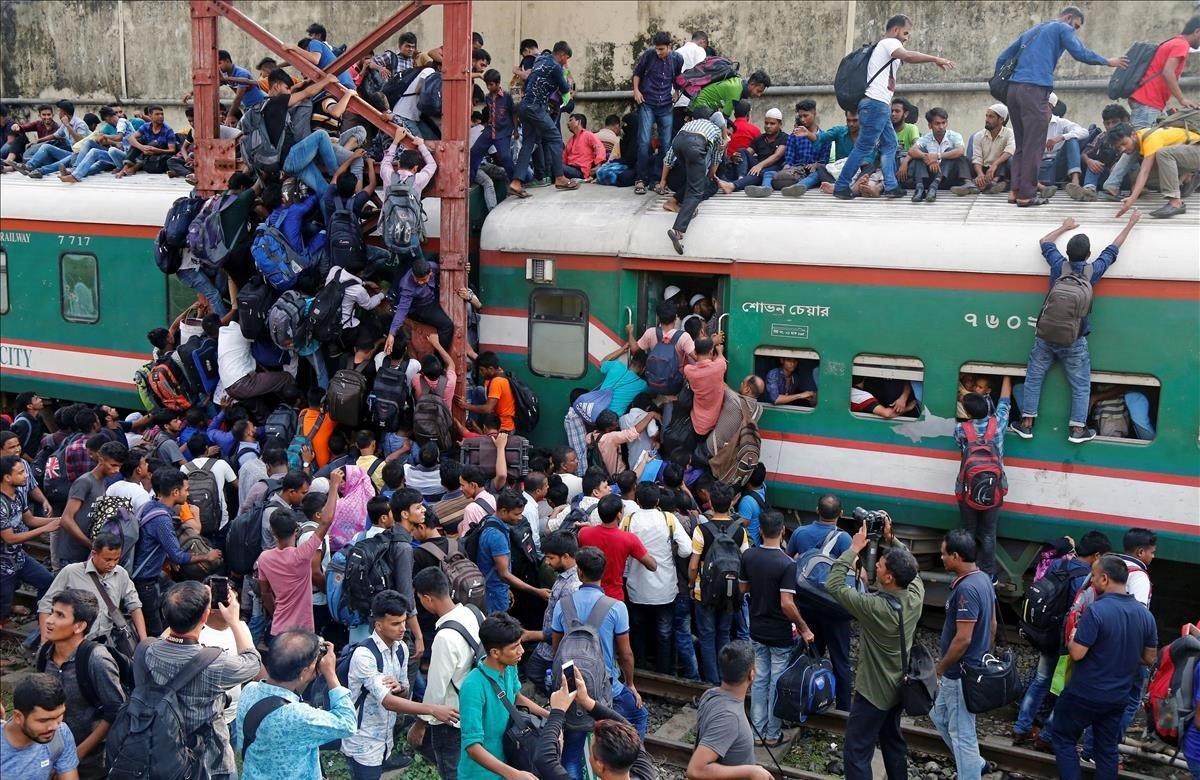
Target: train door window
{"type": "Point", "coordinates": [704, 295]}
{"type": "Point", "coordinates": [558, 333]}
{"type": "Point", "coordinates": [1124, 407]}
{"type": "Point", "coordinates": [3, 281]}
{"type": "Point", "coordinates": [179, 297]}
{"type": "Point", "coordinates": [986, 379]}
{"type": "Point", "coordinates": [887, 387]}
{"type": "Point", "coordinates": [80, 287]}
{"type": "Point", "coordinates": [792, 377]}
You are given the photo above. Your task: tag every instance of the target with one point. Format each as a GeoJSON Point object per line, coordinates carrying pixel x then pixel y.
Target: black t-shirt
{"type": "Point", "coordinates": [765, 146]}
{"type": "Point", "coordinates": [769, 571]}
{"type": "Point", "coordinates": [274, 112]}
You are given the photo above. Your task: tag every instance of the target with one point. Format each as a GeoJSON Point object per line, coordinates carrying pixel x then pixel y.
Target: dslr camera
{"type": "Point", "coordinates": [873, 520]}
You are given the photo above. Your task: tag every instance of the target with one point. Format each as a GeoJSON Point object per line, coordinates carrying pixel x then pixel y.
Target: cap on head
{"type": "Point", "coordinates": [999, 109]}
{"type": "Point", "coordinates": [774, 113]}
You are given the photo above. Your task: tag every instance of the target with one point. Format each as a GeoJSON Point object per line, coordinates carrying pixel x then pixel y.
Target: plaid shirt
{"type": "Point", "coordinates": [76, 460]}
{"type": "Point", "coordinates": [711, 133]}
{"type": "Point", "coordinates": [801, 151]}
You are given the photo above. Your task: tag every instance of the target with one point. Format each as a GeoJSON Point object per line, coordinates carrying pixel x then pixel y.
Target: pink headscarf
{"type": "Point", "coordinates": [350, 517]}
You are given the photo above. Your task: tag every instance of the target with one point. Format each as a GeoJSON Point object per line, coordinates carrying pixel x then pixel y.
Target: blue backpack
{"type": "Point", "coordinates": [429, 102]}
{"type": "Point", "coordinates": [610, 172]}
{"type": "Point", "coordinates": [206, 235]}
{"type": "Point", "coordinates": [335, 593]}
{"type": "Point", "coordinates": [663, 373]}
{"type": "Point", "coordinates": [275, 258]}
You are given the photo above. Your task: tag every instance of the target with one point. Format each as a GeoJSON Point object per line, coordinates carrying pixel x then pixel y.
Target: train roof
{"type": "Point", "coordinates": [970, 234]}
{"type": "Point", "coordinates": [138, 201]}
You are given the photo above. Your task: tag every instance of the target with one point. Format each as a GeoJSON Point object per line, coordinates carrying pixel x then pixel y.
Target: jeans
{"type": "Point", "coordinates": [742, 620]}
{"type": "Point", "coordinates": [32, 573]}
{"type": "Point", "coordinates": [199, 281]}
{"type": "Point", "coordinates": [95, 161]}
{"type": "Point", "coordinates": [658, 618]}
{"type": "Point", "coordinates": [685, 647]}
{"type": "Point", "coordinates": [981, 523]}
{"type": "Point", "coordinates": [648, 116]}
{"type": "Point", "coordinates": [866, 726]}
{"type": "Point", "coordinates": [118, 157]}
{"type": "Point", "coordinates": [317, 361]}
{"type": "Point", "coordinates": [690, 176]}
{"type": "Point", "coordinates": [1141, 116]}
{"type": "Point", "coordinates": [1062, 165]}
{"type": "Point", "coordinates": [1093, 181]}
{"type": "Point", "coordinates": [302, 161]}
{"type": "Point", "coordinates": [950, 172]}
{"type": "Point", "coordinates": [1039, 686]}
{"type": "Point", "coordinates": [833, 637]}
{"type": "Point", "coordinates": [875, 127]}
{"type": "Point", "coordinates": [149, 592]}
{"type": "Point", "coordinates": [957, 727]}
{"type": "Point", "coordinates": [362, 771]}
{"type": "Point", "coordinates": [48, 159]}
{"type": "Point", "coordinates": [769, 665]}
{"type": "Point", "coordinates": [1072, 714]}
{"type": "Point", "coordinates": [356, 133]}
{"type": "Point", "coordinates": [572, 172]}
{"type": "Point", "coordinates": [1077, 362]}
{"type": "Point", "coordinates": [712, 628]}
{"type": "Point", "coordinates": [540, 130]}
{"type": "Point", "coordinates": [626, 705]}
{"type": "Point", "coordinates": [441, 748]}
{"type": "Point", "coordinates": [503, 144]}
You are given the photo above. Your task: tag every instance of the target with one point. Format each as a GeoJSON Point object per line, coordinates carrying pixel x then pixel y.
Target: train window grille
{"type": "Point", "coordinates": [558, 333]}
{"type": "Point", "coordinates": [80, 276]}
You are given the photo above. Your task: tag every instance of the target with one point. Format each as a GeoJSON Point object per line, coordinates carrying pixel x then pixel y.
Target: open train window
{"type": "Point", "coordinates": [887, 387]}
{"type": "Point", "coordinates": [1124, 407]}
{"type": "Point", "coordinates": [558, 333]}
{"type": "Point", "coordinates": [80, 287]}
{"type": "Point", "coordinates": [3, 281]}
{"type": "Point", "coordinates": [792, 376]}
{"type": "Point", "coordinates": [986, 378]}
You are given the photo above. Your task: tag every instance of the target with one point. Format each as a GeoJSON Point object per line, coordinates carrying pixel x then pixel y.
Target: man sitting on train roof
{"type": "Point", "coordinates": [150, 147]}
{"type": "Point", "coordinates": [807, 150]}
{"type": "Point", "coordinates": [1060, 161]}
{"type": "Point", "coordinates": [1100, 155]}
{"type": "Point", "coordinates": [991, 149]}
{"type": "Point", "coordinates": [763, 157]}
{"type": "Point", "coordinates": [1170, 158]}
{"type": "Point", "coordinates": [938, 157]}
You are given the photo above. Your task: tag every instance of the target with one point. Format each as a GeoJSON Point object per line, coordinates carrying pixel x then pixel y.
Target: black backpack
{"type": "Point", "coordinates": [344, 236]}
{"type": "Point", "coordinates": [851, 81]}
{"type": "Point", "coordinates": [1125, 81]}
{"type": "Point", "coordinates": [255, 300]}
{"type": "Point", "coordinates": [368, 571]}
{"type": "Point", "coordinates": [83, 665]}
{"type": "Point", "coordinates": [280, 426]}
{"type": "Point", "coordinates": [720, 568]}
{"type": "Point", "coordinates": [390, 404]}
{"type": "Point", "coordinates": [1045, 608]}
{"type": "Point", "coordinates": [397, 85]}
{"type": "Point", "coordinates": [147, 740]}
{"type": "Point", "coordinates": [243, 540]}
{"type": "Point", "coordinates": [523, 560]}
{"type": "Point", "coordinates": [347, 394]}
{"type": "Point", "coordinates": [526, 403]}
{"type": "Point", "coordinates": [324, 319]}
{"type": "Point", "coordinates": [205, 493]}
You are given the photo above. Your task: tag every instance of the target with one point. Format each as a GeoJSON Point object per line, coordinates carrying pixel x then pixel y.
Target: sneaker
{"type": "Point", "coordinates": [540, 182]}
{"type": "Point", "coordinates": [1048, 192]}
{"type": "Point", "coordinates": [1075, 192]}
{"type": "Point", "coordinates": [963, 190]}
{"type": "Point", "coordinates": [1109, 196]}
{"type": "Point", "coordinates": [931, 195]}
{"type": "Point", "coordinates": [398, 761]}
{"type": "Point", "coordinates": [1021, 429]}
{"type": "Point", "coordinates": [1042, 746]}
{"type": "Point", "coordinates": [794, 191]}
{"type": "Point", "coordinates": [34, 174]}
{"type": "Point", "coordinates": [1089, 195]}
{"type": "Point", "coordinates": [757, 191]}
{"type": "Point", "coordinates": [1079, 434]}
{"type": "Point", "coordinates": [1019, 739]}
{"type": "Point", "coordinates": [918, 194]}
{"type": "Point", "coordinates": [1167, 211]}
{"type": "Point", "coordinates": [846, 194]}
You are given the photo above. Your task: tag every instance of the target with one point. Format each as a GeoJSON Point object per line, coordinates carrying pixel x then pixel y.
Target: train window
{"type": "Point", "coordinates": [3, 281]}
{"type": "Point", "coordinates": [1124, 407]}
{"type": "Point", "coordinates": [558, 333]}
{"type": "Point", "coordinates": [80, 287]}
{"type": "Point", "coordinates": [887, 387]}
{"type": "Point", "coordinates": [985, 378]}
{"type": "Point", "coordinates": [792, 376]}
{"type": "Point", "coordinates": [179, 297]}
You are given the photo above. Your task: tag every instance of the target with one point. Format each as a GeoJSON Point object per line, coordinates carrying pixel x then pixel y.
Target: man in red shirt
{"type": "Point", "coordinates": [707, 379]}
{"type": "Point", "coordinates": [584, 152]}
{"type": "Point", "coordinates": [744, 133]}
{"type": "Point", "coordinates": [618, 546]}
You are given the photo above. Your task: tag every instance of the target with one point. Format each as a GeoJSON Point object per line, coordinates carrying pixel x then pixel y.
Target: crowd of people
{"type": "Point", "coordinates": [320, 535]}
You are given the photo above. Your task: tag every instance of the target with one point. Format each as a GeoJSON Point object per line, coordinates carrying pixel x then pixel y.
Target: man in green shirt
{"type": "Point", "coordinates": [724, 93]}
{"type": "Point", "coordinates": [875, 710]}
{"type": "Point", "coordinates": [907, 134]}
{"type": "Point", "coordinates": [483, 716]}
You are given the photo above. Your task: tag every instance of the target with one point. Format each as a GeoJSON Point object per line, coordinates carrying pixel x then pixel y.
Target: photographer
{"type": "Point", "coordinates": [875, 709]}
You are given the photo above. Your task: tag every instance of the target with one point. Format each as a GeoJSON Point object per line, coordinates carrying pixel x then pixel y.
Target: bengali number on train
{"type": "Point", "coordinates": [994, 321]}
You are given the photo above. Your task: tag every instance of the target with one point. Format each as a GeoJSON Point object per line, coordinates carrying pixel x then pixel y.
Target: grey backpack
{"type": "Point", "coordinates": [257, 149]}
{"type": "Point", "coordinates": [402, 218]}
{"type": "Point", "coordinates": [1112, 418]}
{"type": "Point", "coordinates": [1066, 306]}
{"type": "Point", "coordinates": [581, 644]}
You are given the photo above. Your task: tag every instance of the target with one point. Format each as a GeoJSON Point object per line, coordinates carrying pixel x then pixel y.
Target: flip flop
{"type": "Point", "coordinates": [518, 193]}
{"type": "Point", "coordinates": [639, 189]}
{"type": "Point", "coordinates": [571, 185]}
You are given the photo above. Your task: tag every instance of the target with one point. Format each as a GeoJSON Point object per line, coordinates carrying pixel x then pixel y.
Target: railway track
{"type": "Point", "coordinates": [1029, 763]}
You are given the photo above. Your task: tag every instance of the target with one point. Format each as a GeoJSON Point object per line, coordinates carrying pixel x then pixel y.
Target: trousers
{"type": "Point", "coordinates": [1029, 110]}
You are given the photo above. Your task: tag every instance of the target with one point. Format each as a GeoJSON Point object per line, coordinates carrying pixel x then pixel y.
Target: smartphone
{"type": "Point", "coordinates": [220, 590]}
{"type": "Point", "coordinates": [568, 670]}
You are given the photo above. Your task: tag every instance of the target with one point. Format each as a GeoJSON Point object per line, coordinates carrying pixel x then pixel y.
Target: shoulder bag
{"type": "Point", "coordinates": [918, 685]}
{"type": "Point", "coordinates": [995, 681]}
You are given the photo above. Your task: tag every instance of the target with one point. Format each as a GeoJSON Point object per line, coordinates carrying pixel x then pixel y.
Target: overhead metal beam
{"type": "Point", "coordinates": [377, 36]}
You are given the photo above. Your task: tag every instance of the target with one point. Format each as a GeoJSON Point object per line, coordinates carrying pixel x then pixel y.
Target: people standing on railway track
{"type": "Point", "coordinates": [875, 710]}
{"type": "Point", "coordinates": [27, 425]}
{"type": "Point", "coordinates": [74, 539]}
{"type": "Point", "coordinates": [652, 592]}
{"type": "Point", "coordinates": [713, 584]}
{"type": "Point", "coordinates": [17, 526]}
{"type": "Point", "coordinates": [121, 622]}
{"type": "Point", "coordinates": [1062, 327]}
{"type": "Point", "coordinates": [724, 735]}
{"type": "Point", "coordinates": [1115, 640]}
{"type": "Point", "coordinates": [1038, 50]}
{"type": "Point", "coordinates": [695, 154]}
{"type": "Point", "coordinates": [875, 109]}
{"type": "Point", "coordinates": [981, 481]}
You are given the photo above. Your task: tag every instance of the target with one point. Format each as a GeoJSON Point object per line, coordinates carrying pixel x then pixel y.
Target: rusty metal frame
{"type": "Point", "coordinates": [215, 157]}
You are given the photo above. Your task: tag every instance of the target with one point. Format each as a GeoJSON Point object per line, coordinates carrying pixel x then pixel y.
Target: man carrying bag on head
{"type": "Point", "coordinates": [888, 622]}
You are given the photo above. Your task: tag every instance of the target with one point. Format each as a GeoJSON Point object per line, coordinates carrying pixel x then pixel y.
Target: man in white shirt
{"type": "Point", "coordinates": [644, 444]}
{"type": "Point", "coordinates": [405, 109]}
{"type": "Point", "coordinates": [134, 476]}
{"type": "Point", "coordinates": [236, 367]}
{"type": "Point", "coordinates": [453, 654]}
{"type": "Point", "coordinates": [206, 457]}
{"type": "Point", "coordinates": [651, 594]}
{"type": "Point", "coordinates": [217, 633]}
{"type": "Point", "coordinates": [355, 295]}
{"type": "Point", "coordinates": [693, 52]}
{"type": "Point", "coordinates": [536, 484]}
{"type": "Point", "coordinates": [1061, 161]}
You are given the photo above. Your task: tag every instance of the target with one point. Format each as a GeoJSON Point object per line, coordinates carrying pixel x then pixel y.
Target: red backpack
{"type": "Point", "coordinates": [982, 471]}
{"type": "Point", "coordinates": [167, 388]}
{"type": "Point", "coordinates": [1170, 700]}
{"type": "Point", "coordinates": [710, 70]}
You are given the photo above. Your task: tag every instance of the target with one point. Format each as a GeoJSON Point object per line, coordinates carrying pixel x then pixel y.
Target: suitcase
{"type": "Point", "coordinates": [481, 452]}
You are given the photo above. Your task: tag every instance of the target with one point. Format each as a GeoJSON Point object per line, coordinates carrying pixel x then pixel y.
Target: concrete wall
{"type": "Point", "coordinates": [71, 48]}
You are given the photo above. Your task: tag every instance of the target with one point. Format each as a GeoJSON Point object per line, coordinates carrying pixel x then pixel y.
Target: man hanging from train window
{"type": "Point", "coordinates": [1061, 335]}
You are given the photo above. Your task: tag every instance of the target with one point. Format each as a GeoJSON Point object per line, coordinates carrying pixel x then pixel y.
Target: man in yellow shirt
{"type": "Point", "coordinates": [1176, 152]}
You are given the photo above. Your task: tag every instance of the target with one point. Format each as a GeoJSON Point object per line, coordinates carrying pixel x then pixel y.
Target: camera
{"type": "Point", "coordinates": [873, 520]}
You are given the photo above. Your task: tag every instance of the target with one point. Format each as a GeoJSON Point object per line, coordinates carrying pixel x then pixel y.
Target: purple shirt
{"type": "Point", "coordinates": [657, 76]}
{"type": "Point", "coordinates": [413, 294]}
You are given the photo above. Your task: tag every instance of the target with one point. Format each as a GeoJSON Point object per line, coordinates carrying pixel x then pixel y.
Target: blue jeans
{"type": "Point", "coordinates": [957, 727]}
{"type": "Point", "coordinates": [1039, 686]}
{"type": "Point", "coordinates": [118, 157]}
{"type": "Point", "coordinates": [359, 133]}
{"type": "Point", "coordinates": [742, 616]}
{"type": "Point", "coordinates": [503, 144]}
{"type": "Point", "coordinates": [541, 131]}
{"type": "Point", "coordinates": [48, 159]}
{"type": "Point", "coordinates": [1077, 362]}
{"type": "Point", "coordinates": [1095, 180]}
{"type": "Point", "coordinates": [302, 161]}
{"type": "Point", "coordinates": [685, 648]}
{"type": "Point", "coordinates": [31, 572]}
{"type": "Point", "coordinates": [202, 284]}
{"type": "Point", "coordinates": [769, 664]}
{"type": "Point", "coordinates": [95, 161]}
{"type": "Point", "coordinates": [648, 116]}
{"type": "Point", "coordinates": [755, 179]}
{"type": "Point", "coordinates": [875, 128]}
{"type": "Point", "coordinates": [1072, 714]}
{"type": "Point", "coordinates": [1062, 165]}
{"type": "Point", "coordinates": [712, 628]}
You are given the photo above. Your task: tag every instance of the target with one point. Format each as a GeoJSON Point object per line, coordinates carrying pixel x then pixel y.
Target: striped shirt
{"type": "Point", "coordinates": [711, 133]}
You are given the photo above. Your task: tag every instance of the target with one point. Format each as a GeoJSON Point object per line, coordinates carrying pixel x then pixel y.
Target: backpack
{"type": "Point", "coordinates": [147, 740]}
{"type": "Point", "coordinates": [346, 394]}
{"type": "Point", "coordinates": [522, 561]}
{"type": "Point", "coordinates": [390, 405]}
{"type": "Point", "coordinates": [735, 462]}
{"type": "Point", "coordinates": [429, 102]}
{"type": "Point", "coordinates": [168, 259]}
{"type": "Point", "coordinates": [1066, 306]}
{"type": "Point", "coordinates": [806, 687]}
{"type": "Point", "coordinates": [720, 567]}
{"type": "Point", "coordinates": [141, 380]}
{"type": "Point", "coordinates": [589, 405]}
{"type": "Point", "coordinates": [1045, 607]}
{"type": "Point", "coordinates": [198, 547]}
{"type": "Point", "coordinates": [576, 518]}
{"type": "Point", "coordinates": [1170, 698]}
{"type": "Point", "coordinates": [280, 426]}
{"type": "Point", "coordinates": [1125, 81]}
{"type": "Point", "coordinates": [287, 321]}
{"type": "Point", "coordinates": [431, 419]}
{"type": "Point", "coordinates": [83, 661]}
{"type": "Point", "coordinates": [167, 387]}
{"type": "Point", "coordinates": [402, 219]}
{"type": "Point", "coordinates": [115, 515]}
{"type": "Point", "coordinates": [1112, 418]}
{"type": "Point", "coordinates": [50, 465]}
{"type": "Point", "coordinates": [179, 219]}
{"type": "Point", "coordinates": [981, 472]}
{"type": "Point", "coordinates": [814, 564]}
{"type": "Point", "coordinates": [397, 84]}
{"type": "Point", "coordinates": [206, 237]}
{"type": "Point", "coordinates": [202, 356]}
{"type": "Point", "coordinates": [663, 374]}
{"type": "Point", "coordinates": [324, 321]}
{"type": "Point", "coordinates": [257, 149]}
{"type": "Point", "coordinates": [526, 414]}
{"type": "Point", "coordinates": [368, 571]}
{"type": "Point", "coordinates": [581, 644]}
{"type": "Point", "coordinates": [335, 591]}
{"type": "Point", "coordinates": [243, 541]}
{"type": "Point", "coordinates": [851, 81]}
{"type": "Point", "coordinates": [301, 440]}
{"type": "Point", "coordinates": [317, 693]}
{"type": "Point", "coordinates": [275, 258]}
{"type": "Point", "coordinates": [344, 236]}
{"type": "Point", "coordinates": [254, 300]}
{"type": "Point", "coordinates": [709, 70]}
{"type": "Point", "coordinates": [205, 493]}
{"type": "Point", "coordinates": [466, 581]}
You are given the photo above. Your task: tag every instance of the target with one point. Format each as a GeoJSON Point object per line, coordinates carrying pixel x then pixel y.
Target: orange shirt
{"type": "Point", "coordinates": [320, 440]}
{"type": "Point", "coordinates": [506, 405]}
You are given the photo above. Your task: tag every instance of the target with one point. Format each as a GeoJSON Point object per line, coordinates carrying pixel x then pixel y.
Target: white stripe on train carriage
{"type": "Point", "coordinates": [503, 330]}
{"type": "Point", "coordinates": [55, 363]}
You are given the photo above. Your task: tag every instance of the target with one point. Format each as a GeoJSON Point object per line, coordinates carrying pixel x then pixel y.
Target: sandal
{"type": "Point", "coordinates": [676, 239]}
{"type": "Point", "coordinates": [1037, 200]}
{"type": "Point", "coordinates": [570, 185]}
{"type": "Point", "coordinates": [518, 193]}
{"type": "Point", "coordinates": [639, 188]}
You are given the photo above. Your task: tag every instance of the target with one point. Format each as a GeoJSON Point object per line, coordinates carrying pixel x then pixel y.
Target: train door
{"type": "Point", "coordinates": [703, 294]}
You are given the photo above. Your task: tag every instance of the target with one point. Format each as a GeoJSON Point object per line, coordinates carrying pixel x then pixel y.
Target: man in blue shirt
{"type": "Point", "coordinates": [653, 88]}
{"type": "Point", "coordinates": [494, 554]}
{"type": "Point", "coordinates": [807, 151]}
{"type": "Point", "coordinates": [1115, 637]}
{"type": "Point", "coordinates": [316, 50]}
{"type": "Point", "coordinates": [1038, 50]}
{"type": "Point", "coordinates": [151, 145]}
{"type": "Point", "coordinates": [247, 92]}
{"type": "Point", "coordinates": [1076, 359]}
{"type": "Point", "coordinates": [546, 78]}
{"type": "Point", "coordinates": [753, 501]}
{"type": "Point", "coordinates": [792, 384]}
{"type": "Point", "coordinates": [983, 428]}
{"type": "Point", "coordinates": [967, 634]}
